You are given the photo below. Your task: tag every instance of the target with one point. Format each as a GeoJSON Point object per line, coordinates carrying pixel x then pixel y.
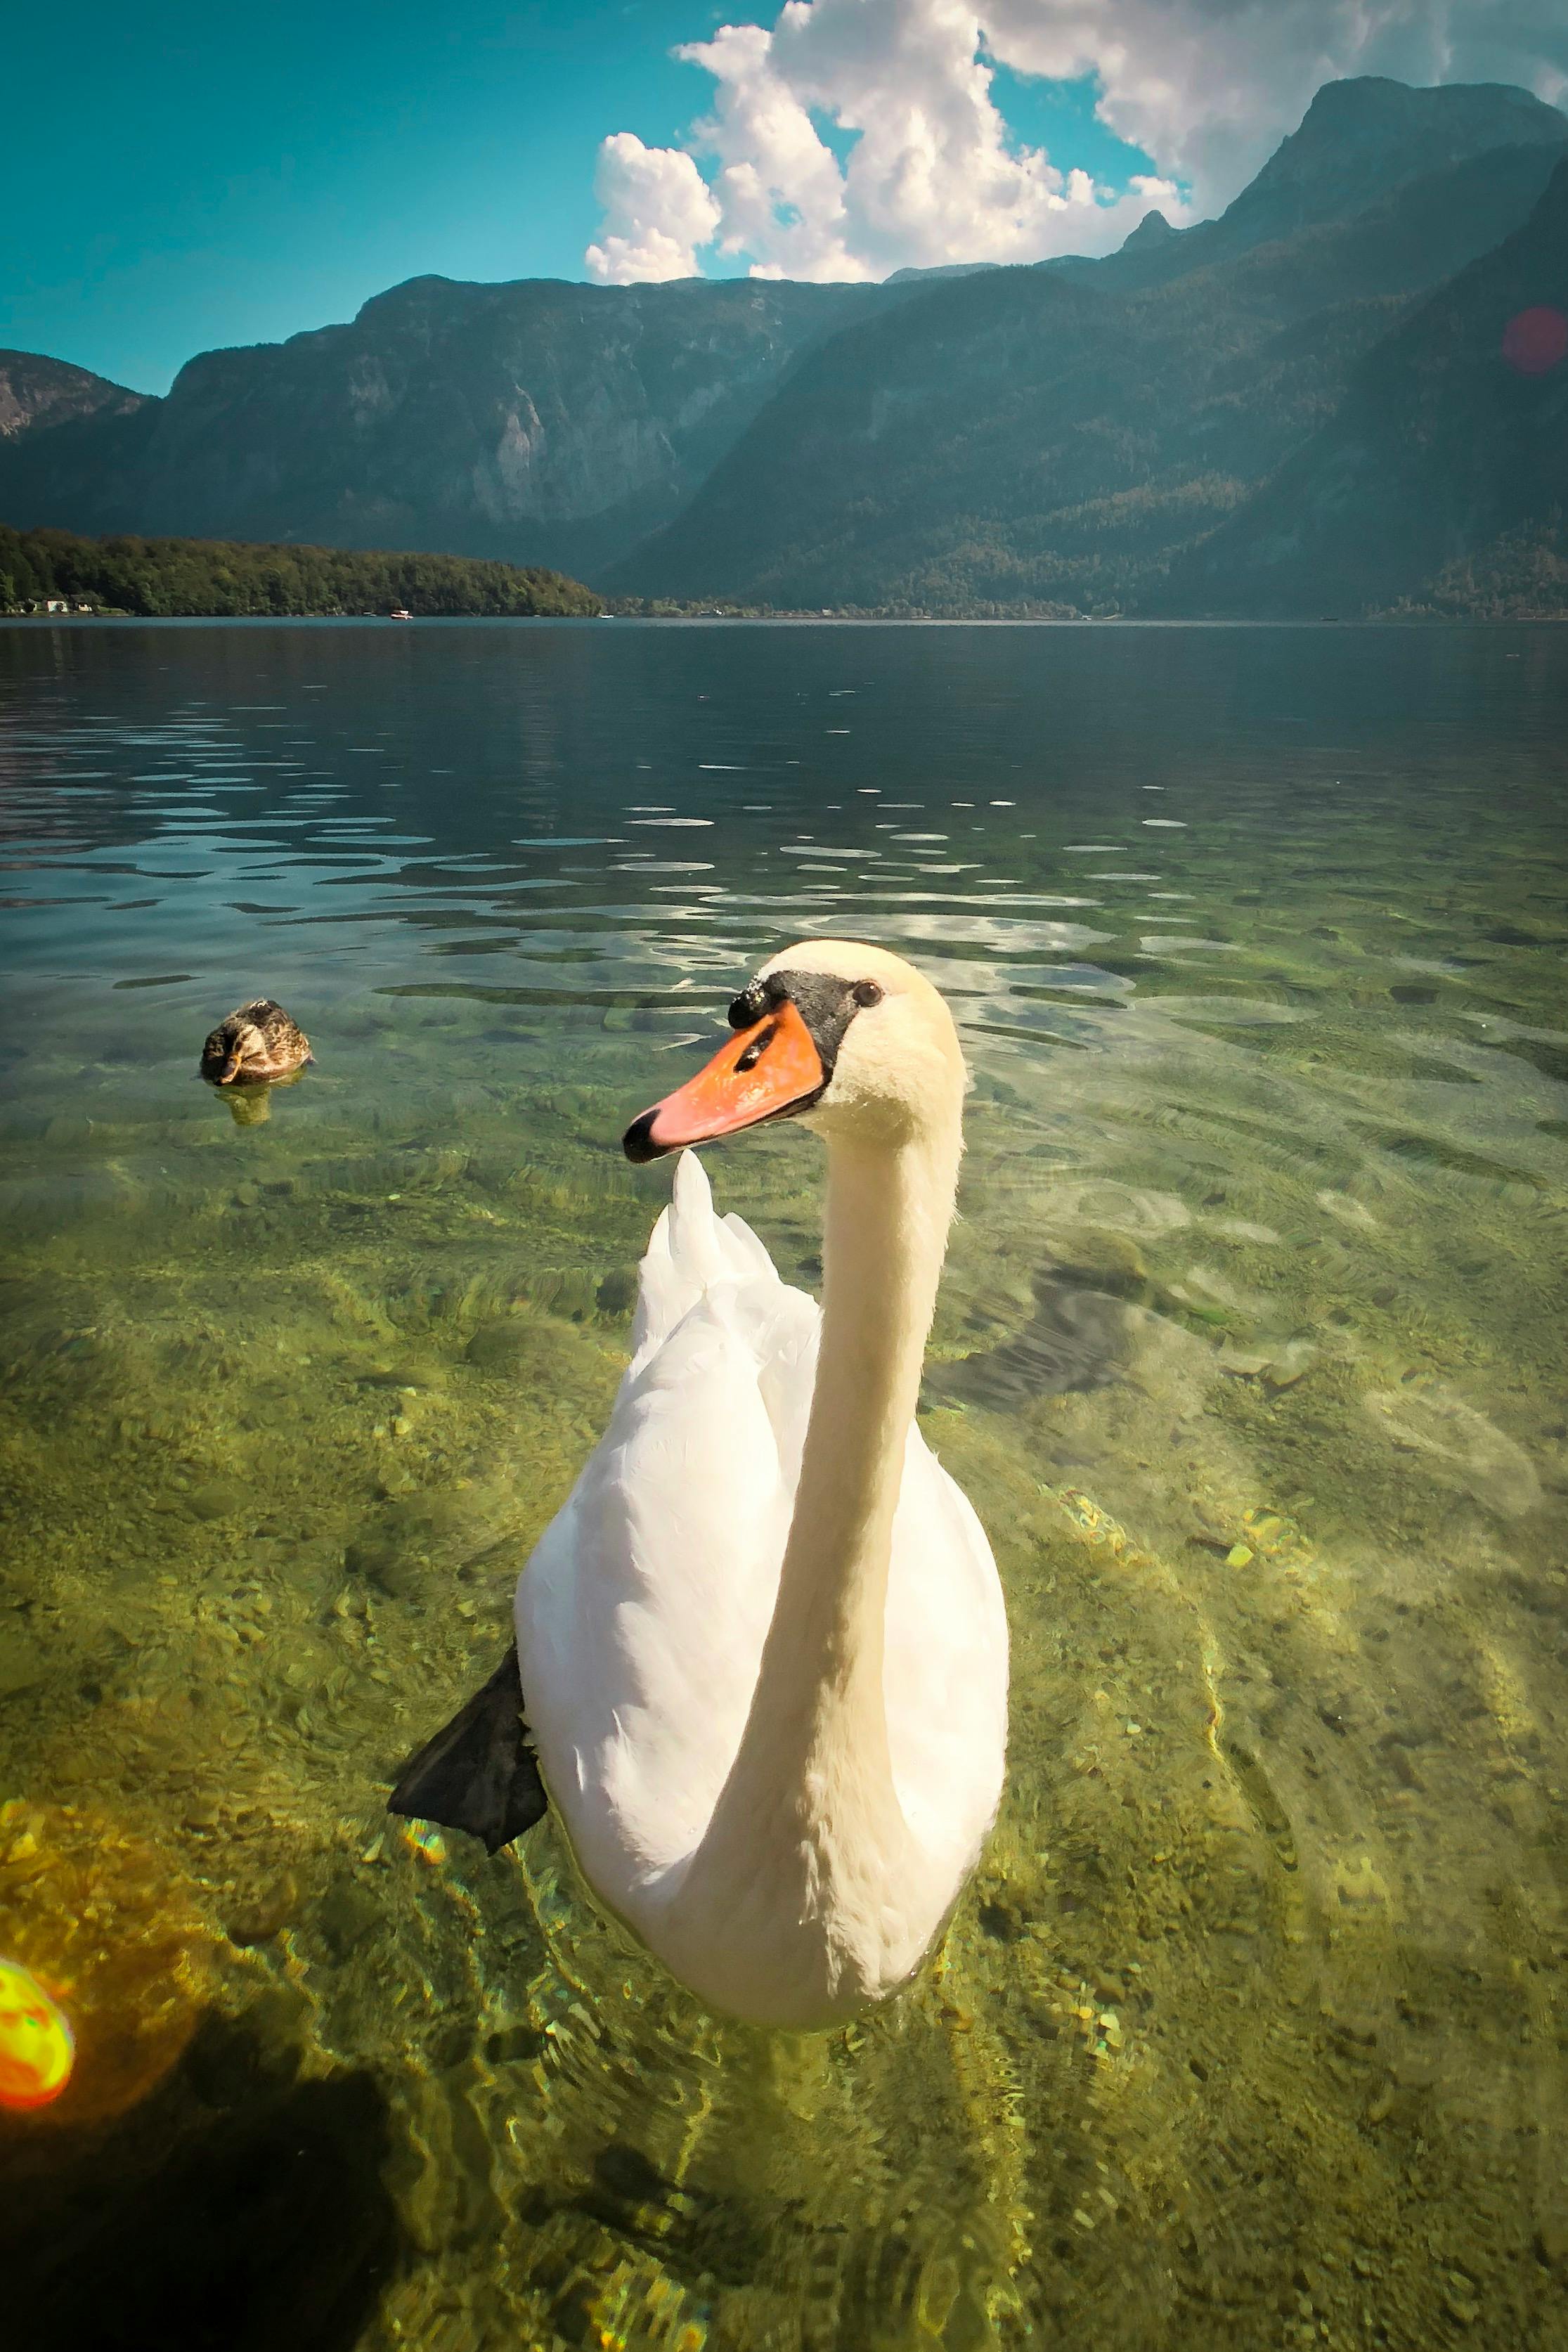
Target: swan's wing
{"type": "Point", "coordinates": [945, 1673]}
{"type": "Point", "coordinates": [688, 1251]}
{"type": "Point", "coordinates": [642, 1615]}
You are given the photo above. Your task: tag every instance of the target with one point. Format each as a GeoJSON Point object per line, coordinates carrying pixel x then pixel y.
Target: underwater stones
{"type": "Point", "coordinates": [379, 1560]}
{"type": "Point", "coordinates": [346, 1916]}
{"type": "Point", "coordinates": [617, 1293]}
{"type": "Point", "coordinates": [64, 1132]}
{"type": "Point", "coordinates": [433, 1169]}
{"type": "Point", "coordinates": [570, 1292]}
{"type": "Point", "coordinates": [536, 1350]}
{"type": "Point", "coordinates": [419, 1538]}
{"type": "Point", "coordinates": [24, 1665]}
{"type": "Point", "coordinates": [1286, 1366]}
{"type": "Point", "coordinates": [506, 1350]}
{"type": "Point", "coordinates": [1076, 1339]}
{"type": "Point", "coordinates": [216, 1498]}
{"type": "Point", "coordinates": [1242, 1363]}
{"type": "Point", "coordinates": [1279, 1366]}
{"type": "Point", "coordinates": [1348, 1210]}
{"type": "Point", "coordinates": [263, 1912]}
{"type": "Point", "coordinates": [1241, 1229]}
{"type": "Point", "coordinates": [1437, 1423]}
{"type": "Point", "coordinates": [513, 2045]}
{"type": "Point", "coordinates": [1259, 1532]}
{"type": "Point", "coordinates": [1096, 1258]}
{"type": "Point", "coordinates": [1139, 1213]}
{"type": "Point", "coordinates": [1359, 1887]}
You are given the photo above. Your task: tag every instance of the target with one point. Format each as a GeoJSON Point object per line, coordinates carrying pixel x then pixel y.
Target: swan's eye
{"type": "Point", "coordinates": [867, 991]}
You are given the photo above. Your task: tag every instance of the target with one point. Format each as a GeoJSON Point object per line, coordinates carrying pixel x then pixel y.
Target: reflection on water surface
{"type": "Point", "coordinates": [1249, 1353]}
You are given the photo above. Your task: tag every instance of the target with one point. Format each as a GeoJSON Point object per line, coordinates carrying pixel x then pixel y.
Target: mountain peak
{"type": "Point", "coordinates": [1360, 139]}
{"type": "Point", "coordinates": [1372, 102]}
{"type": "Point", "coordinates": [1153, 230]}
{"type": "Point", "coordinates": [36, 393]}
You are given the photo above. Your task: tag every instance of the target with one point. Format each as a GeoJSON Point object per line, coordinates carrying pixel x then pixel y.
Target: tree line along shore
{"type": "Point", "coordinates": [44, 571]}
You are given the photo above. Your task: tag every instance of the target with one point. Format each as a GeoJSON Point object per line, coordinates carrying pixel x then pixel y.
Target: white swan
{"type": "Point", "coordinates": [762, 1647]}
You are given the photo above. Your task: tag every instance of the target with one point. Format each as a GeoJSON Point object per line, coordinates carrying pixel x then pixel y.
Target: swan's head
{"type": "Point", "coordinates": [846, 1034]}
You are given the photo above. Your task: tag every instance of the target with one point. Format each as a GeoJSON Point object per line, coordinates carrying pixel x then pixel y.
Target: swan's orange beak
{"type": "Point", "coordinates": [768, 1069]}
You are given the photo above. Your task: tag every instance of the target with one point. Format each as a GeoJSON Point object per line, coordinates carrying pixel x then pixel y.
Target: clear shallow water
{"type": "Point", "coordinates": [1249, 1354]}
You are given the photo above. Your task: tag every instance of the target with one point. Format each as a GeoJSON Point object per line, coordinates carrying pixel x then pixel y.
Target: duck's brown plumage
{"type": "Point", "coordinates": [257, 1042]}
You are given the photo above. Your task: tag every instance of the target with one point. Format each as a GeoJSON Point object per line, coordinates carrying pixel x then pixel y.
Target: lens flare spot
{"type": "Point", "coordinates": [37, 2048]}
{"type": "Point", "coordinates": [1534, 340]}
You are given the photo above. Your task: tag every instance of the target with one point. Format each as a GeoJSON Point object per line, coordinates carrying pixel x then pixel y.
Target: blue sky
{"type": "Point", "coordinates": [178, 178]}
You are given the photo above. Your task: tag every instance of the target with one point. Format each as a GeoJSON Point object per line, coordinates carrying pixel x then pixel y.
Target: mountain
{"type": "Point", "coordinates": [1193, 423]}
{"type": "Point", "coordinates": [1359, 142]}
{"type": "Point", "coordinates": [540, 422]}
{"type": "Point", "coordinates": [1025, 436]}
{"type": "Point", "coordinates": [1441, 482]}
{"type": "Point", "coordinates": [36, 392]}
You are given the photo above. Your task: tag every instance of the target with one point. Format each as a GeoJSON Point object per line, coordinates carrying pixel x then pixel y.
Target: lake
{"type": "Point", "coordinates": [1253, 2026]}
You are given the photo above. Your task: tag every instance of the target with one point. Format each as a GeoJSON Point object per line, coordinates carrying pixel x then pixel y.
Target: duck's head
{"type": "Point", "coordinates": [234, 1043]}
{"type": "Point", "coordinates": [847, 1035]}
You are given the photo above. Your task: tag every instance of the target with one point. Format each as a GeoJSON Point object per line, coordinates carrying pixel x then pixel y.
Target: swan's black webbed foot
{"type": "Point", "coordinates": [478, 1773]}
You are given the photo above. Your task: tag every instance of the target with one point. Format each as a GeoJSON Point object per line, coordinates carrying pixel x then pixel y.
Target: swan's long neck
{"type": "Point", "coordinates": [883, 1241]}
{"type": "Point", "coordinates": [808, 1820]}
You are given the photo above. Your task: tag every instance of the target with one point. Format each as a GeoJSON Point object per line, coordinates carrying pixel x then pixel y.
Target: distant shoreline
{"type": "Point", "coordinates": [783, 620]}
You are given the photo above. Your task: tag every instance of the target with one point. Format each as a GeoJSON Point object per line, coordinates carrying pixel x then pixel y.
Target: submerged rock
{"type": "Point", "coordinates": [218, 1498]}
{"type": "Point", "coordinates": [1434, 1422]}
{"type": "Point", "coordinates": [417, 1542]}
{"type": "Point", "coordinates": [24, 1663]}
{"type": "Point", "coordinates": [265, 1912]}
{"type": "Point", "coordinates": [1075, 1339]}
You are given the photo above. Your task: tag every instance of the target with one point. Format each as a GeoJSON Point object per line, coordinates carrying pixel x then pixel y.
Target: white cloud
{"type": "Point", "coordinates": [657, 211]}
{"type": "Point", "coordinates": [1207, 88]}
{"type": "Point", "coordinates": [1210, 88]}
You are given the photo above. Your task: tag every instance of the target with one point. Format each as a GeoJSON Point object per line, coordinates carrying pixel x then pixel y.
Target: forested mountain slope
{"type": "Point", "coordinates": [1441, 482]}
{"type": "Point", "coordinates": [1023, 436]}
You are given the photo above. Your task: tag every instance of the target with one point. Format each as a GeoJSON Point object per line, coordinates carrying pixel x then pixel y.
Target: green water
{"type": "Point", "coordinates": [1254, 2026]}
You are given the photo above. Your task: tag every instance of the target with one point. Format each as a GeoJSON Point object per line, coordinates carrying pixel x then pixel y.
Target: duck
{"type": "Point", "coordinates": [759, 1665]}
{"type": "Point", "coordinates": [256, 1042]}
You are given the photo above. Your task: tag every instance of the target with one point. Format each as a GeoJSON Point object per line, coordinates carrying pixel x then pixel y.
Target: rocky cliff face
{"type": "Point", "coordinates": [1441, 482]}
{"type": "Point", "coordinates": [540, 422]}
{"type": "Point", "coordinates": [36, 392]}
